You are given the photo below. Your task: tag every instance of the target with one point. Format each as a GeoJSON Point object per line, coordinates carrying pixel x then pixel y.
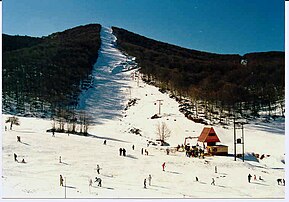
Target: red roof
{"type": "Point", "coordinates": [208, 135]}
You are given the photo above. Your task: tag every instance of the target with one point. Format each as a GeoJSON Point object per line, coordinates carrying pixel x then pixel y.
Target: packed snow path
{"type": "Point", "coordinates": [104, 99]}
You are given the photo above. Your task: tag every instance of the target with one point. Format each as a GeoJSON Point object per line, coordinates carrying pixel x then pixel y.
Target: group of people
{"type": "Point", "coordinates": [122, 152]}
{"type": "Point", "coordinates": [281, 181]}
{"type": "Point", "coordinates": [144, 151]}
{"type": "Point", "coordinates": [255, 178]}
{"type": "Point", "coordinates": [145, 181]}
{"type": "Point", "coordinates": [194, 151]}
{"type": "Point", "coordinates": [15, 159]}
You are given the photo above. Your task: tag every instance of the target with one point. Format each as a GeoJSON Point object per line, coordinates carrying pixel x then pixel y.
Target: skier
{"type": "Point", "coordinates": [197, 179]}
{"type": "Point", "coordinates": [145, 183]}
{"type": "Point", "coordinates": [215, 169]}
{"type": "Point", "coordinates": [150, 179]}
{"type": "Point", "coordinates": [90, 182]}
{"type": "Point", "coordinates": [18, 139]}
{"type": "Point", "coordinates": [164, 164]}
{"type": "Point", "coordinates": [141, 151]}
{"type": "Point", "coordinates": [120, 151]}
{"type": "Point", "coordinates": [97, 169]}
{"type": "Point", "coordinates": [60, 159]}
{"type": "Point", "coordinates": [23, 161]}
{"type": "Point", "coordinates": [283, 182]}
{"type": "Point", "coordinates": [5, 128]}
{"type": "Point", "coordinates": [99, 182]}
{"type": "Point", "coordinates": [61, 180]}
{"type": "Point", "coordinates": [104, 142]}
{"type": "Point", "coordinates": [213, 181]}
{"type": "Point", "coordinates": [15, 157]}
{"type": "Point", "coordinates": [132, 147]}
{"type": "Point", "coordinates": [249, 178]}
{"type": "Point", "coordinates": [147, 152]}
{"type": "Point", "coordinates": [53, 133]}
{"type": "Point", "coordinates": [124, 151]}
{"type": "Point", "coordinates": [168, 151]}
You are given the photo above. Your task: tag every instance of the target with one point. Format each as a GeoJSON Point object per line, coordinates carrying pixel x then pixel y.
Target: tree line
{"type": "Point", "coordinates": [42, 74]}
{"type": "Point", "coordinates": [220, 81]}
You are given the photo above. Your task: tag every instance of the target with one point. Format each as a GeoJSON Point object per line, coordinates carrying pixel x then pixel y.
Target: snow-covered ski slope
{"type": "Point", "coordinates": [104, 99]}
{"type": "Point", "coordinates": [123, 177]}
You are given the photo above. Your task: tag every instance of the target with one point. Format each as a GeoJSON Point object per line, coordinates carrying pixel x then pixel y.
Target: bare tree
{"type": "Point", "coordinates": [163, 132]}
{"type": "Point", "coordinates": [13, 120]}
{"type": "Point", "coordinates": [85, 121]}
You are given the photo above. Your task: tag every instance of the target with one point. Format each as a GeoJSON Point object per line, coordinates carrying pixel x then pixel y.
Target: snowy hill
{"type": "Point", "coordinates": [123, 176]}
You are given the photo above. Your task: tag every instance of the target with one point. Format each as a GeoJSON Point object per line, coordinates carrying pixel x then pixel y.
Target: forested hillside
{"type": "Point", "coordinates": [245, 84]}
{"type": "Point", "coordinates": [42, 74]}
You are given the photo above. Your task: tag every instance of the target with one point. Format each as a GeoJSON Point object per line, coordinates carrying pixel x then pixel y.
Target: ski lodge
{"type": "Point", "coordinates": [210, 137]}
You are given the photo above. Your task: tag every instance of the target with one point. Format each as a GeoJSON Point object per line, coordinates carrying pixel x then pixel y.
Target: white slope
{"type": "Point", "coordinates": [122, 177]}
{"type": "Point", "coordinates": [104, 100]}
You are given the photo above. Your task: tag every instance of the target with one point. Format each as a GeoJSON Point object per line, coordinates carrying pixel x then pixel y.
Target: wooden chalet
{"type": "Point", "coordinates": [210, 137]}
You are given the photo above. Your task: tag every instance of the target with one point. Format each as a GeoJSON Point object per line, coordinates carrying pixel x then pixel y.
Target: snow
{"type": "Point", "coordinates": [122, 177]}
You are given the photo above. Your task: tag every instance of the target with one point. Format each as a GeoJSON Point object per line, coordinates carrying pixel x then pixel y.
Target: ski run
{"type": "Point", "coordinates": [76, 157]}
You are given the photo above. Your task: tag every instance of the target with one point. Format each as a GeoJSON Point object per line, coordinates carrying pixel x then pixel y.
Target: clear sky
{"type": "Point", "coordinates": [220, 26]}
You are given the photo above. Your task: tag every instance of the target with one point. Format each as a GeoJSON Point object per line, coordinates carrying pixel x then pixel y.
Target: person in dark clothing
{"type": "Point", "coordinates": [249, 178]}
{"type": "Point", "coordinates": [145, 183]}
{"type": "Point", "coordinates": [61, 180]}
{"type": "Point", "coordinates": [53, 131]}
{"type": "Point", "coordinates": [120, 151]}
{"type": "Point", "coordinates": [132, 147]}
{"type": "Point", "coordinates": [97, 169]}
{"type": "Point", "coordinates": [15, 157]}
{"type": "Point", "coordinates": [213, 181]}
{"type": "Point", "coordinates": [123, 151]}
{"type": "Point", "coordinates": [168, 151]}
{"type": "Point", "coordinates": [104, 142]}
{"type": "Point", "coordinates": [99, 182]}
{"type": "Point", "coordinates": [141, 151]}
{"type": "Point", "coordinates": [18, 139]}
{"type": "Point", "coordinates": [283, 182]}
{"type": "Point", "coordinates": [197, 179]}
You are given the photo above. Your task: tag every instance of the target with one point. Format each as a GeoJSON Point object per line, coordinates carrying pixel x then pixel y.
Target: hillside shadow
{"type": "Point", "coordinates": [269, 128]}
{"type": "Point", "coordinates": [100, 137]}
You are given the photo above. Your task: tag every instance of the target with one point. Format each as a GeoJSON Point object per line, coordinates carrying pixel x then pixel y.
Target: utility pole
{"type": "Point", "coordinates": [65, 187]}
{"type": "Point", "coordinates": [239, 140]}
{"type": "Point", "coordinates": [243, 142]}
{"type": "Point", "coordinates": [160, 103]}
{"type": "Point", "coordinates": [235, 139]}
